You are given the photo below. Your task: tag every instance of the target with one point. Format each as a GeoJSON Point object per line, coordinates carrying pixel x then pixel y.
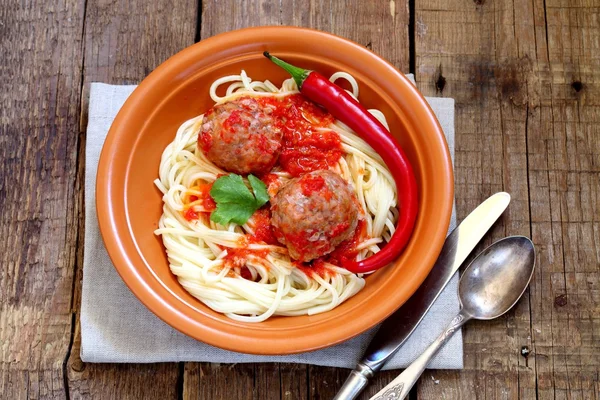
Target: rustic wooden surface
{"type": "Point", "coordinates": [526, 79]}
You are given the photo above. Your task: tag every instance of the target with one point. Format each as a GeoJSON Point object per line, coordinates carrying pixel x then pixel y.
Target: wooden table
{"type": "Point", "coordinates": [526, 79]}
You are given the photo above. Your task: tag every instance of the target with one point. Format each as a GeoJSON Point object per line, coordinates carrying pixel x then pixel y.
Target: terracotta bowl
{"type": "Point", "coordinates": [129, 205]}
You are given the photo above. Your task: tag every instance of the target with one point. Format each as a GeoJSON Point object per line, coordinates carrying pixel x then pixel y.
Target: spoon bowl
{"type": "Point", "coordinates": [497, 278]}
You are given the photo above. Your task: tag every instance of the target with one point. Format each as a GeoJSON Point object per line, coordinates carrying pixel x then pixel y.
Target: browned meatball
{"type": "Point", "coordinates": [312, 214]}
{"type": "Point", "coordinates": [241, 135]}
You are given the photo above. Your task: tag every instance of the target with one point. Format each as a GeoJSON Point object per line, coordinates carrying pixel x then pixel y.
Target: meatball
{"type": "Point", "coordinates": [313, 214]}
{"type": "Point", "coordinates": [241, 136]}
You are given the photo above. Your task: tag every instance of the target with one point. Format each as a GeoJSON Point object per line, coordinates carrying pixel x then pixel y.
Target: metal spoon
{"type": "Point", "coordinates": [489, 287]}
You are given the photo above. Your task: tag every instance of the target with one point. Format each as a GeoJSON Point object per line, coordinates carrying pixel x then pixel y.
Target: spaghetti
{"type": "Point", "coordinates": [237, 270]}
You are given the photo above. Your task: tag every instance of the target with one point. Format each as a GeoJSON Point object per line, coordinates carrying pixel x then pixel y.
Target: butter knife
{"type": "Point", "coordinates": [401, 324]}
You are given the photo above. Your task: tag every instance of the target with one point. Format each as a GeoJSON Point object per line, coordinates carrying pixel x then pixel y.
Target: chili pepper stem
{"type": "Point", "coordinates": [299, 74]}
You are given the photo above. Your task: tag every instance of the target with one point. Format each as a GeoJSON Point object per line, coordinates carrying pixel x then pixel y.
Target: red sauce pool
{"type": "Point", "coordinates": [305, 148]}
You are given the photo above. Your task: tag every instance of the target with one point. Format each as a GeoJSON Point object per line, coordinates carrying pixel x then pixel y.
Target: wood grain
{"type": "Point", "coordinates": [525, 76]}
{"type": "Point", "coordinates": [40, 79]}
{"type": "Point", "coordinates": [380, 25]}
{"type": "Point", "coordinates": [123, 42]}
{"type": "Point", "coordinates": [220, 381]}
{"type": "Point", "coordinates": [564, 178]}
{"type": "Point", "coordinates": [475, 53]}
{"type": "Point", "coordinates": [518, 118]}
{"type": "Point", "coordinates": [245, 381]}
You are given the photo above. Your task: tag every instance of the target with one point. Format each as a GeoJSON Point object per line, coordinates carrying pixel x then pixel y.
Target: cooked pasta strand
{"type": "Point", "coordinates": [196, 249]}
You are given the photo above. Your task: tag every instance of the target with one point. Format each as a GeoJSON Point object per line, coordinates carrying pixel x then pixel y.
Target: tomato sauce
{"type": "Point", "coordinates": [190, 214]}
{"type": "Point", "coordinates": [273, 183]}
{"type": "Point", "coordinates": [229, 126]}
{"type": "Point", "coordinates": [346, 251]}
{"type": "Point", "coordinates": [310, 151]}
{"type": "Point", "coordinates": [198, 196]}
{"type": "Point", "coordinates": [311, 184]}
{"type": "Point", "coordinates": [315, 184]}
{"type": "Point", "coordinates": [315, 267]}
{"type": "Point", "coordinates": [305, 147]}
{"type": "Point", "coordinates": [270, 179]}
{"type": "Point", "coordinates": [238, 256]}
{"type": "Point", "coordinates": [263, 230]}
{"type": "Point", "coordinates": [205, 142]}
{"type": "Point", "coordinates": [303, 242]}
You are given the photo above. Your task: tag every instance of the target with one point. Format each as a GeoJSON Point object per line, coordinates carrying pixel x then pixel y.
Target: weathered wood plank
{"type": "Point", "coordinates": [220, 381]}
{"type": "Point", "coordinates": [252, 381]}
{"type": "Point", "coordinates": [124, 41]}
{"type": "Point", "coordinates": [483, 54]}
{"type": "Point", "coordinates": [40, 80]}
{"type": "Point", "coordinates": [267, 382]}
{"type": "Point", "coordinates": [527, 104]}
{"type": "Point", "coordinates": [379, 25]}
{"type": "Point", "coordinates": [324, 382]}
{"type": "Point", "coordinates": [535, 61]}
{"type": "Point", "coordinates": [564, 168]}
{"type": "Point", "coordinates": [294, 381]}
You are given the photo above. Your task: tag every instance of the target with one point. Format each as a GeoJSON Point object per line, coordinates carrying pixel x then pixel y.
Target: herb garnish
{"type": "Point", "coordinates": [235, 202]}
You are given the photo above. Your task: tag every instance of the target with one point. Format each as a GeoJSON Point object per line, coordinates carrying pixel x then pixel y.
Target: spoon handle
{"type": "Point", "coordinates": [399, 387]}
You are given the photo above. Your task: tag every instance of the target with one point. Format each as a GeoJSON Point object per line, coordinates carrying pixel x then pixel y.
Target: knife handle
{"type": "Point", "coordinates": [400, 387]}
{"type": "Point", "coordinates": [355, 383]}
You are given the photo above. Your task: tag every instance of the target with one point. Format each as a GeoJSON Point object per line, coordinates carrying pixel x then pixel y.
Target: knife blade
{"type": "Point", "coordinates": [394, 331]}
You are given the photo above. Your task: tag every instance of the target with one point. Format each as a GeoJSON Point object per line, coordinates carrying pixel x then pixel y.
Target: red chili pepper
{"type": "Point", "coordinates": [345, 108]}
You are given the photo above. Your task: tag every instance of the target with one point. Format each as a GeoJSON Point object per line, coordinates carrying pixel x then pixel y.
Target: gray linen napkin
{"type": "Point", "coordinates": [116, 327]}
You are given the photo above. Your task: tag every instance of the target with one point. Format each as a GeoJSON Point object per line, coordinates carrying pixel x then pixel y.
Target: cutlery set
{"type": "Point", "coordinates": [488, 288]}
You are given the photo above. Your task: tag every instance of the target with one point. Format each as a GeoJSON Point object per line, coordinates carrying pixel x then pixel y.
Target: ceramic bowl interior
{"type": "Point", "coordinates": [129, 205]}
